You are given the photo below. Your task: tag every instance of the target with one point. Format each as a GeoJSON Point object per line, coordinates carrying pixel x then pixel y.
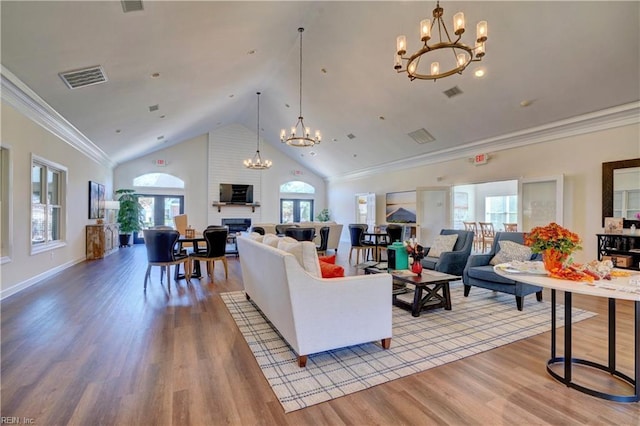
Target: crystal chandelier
{"type": "Point", "coordinates": [300, 134]}
{"type": "Point", "coordinates": [454, 55]}
{"type": "Point", "coordinates": [257, 163]}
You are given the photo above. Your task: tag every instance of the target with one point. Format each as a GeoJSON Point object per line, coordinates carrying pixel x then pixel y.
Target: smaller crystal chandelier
{"type": "Point", "coordinates": [302, 139]}
{"type": "Point", "coordinates": [257, 163]}
{"type": "Point", "coordinates": [461, 54]}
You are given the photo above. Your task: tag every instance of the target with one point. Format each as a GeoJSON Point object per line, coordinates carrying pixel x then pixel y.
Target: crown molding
{"type": "Point", "coordinates": [622, 115]}
{"type": "Point", "coordinates": [27, 102]}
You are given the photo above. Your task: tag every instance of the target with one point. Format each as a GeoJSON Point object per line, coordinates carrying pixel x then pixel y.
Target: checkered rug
{"type": "Point", "coordinates": [480, 322]}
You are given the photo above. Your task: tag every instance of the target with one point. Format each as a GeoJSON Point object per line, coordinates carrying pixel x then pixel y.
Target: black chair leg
{"type": "Point", "coordinates": [146, 276]}
{"type": "Point", "coordinates": [519, 302]}
{"type": "Point", "coordinates": [539, 296]}
{"type": "Point", "coordinates": [467, 289]}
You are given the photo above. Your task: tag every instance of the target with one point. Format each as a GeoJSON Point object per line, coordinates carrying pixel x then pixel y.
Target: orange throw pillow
{"type": "Point", "coordinates": [329, 270]}
{"type": "Point", "coordinates": [329, 259]}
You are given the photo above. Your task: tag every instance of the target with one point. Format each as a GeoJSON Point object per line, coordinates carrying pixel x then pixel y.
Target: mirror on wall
{"type": "Point", "coordinates": [621, 190]}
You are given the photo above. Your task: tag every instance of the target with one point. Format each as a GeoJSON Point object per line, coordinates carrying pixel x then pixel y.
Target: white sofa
{"type": "Point", "coordinates": [335, 231]}
{"type": "Point", "coordinates": [315, 314]}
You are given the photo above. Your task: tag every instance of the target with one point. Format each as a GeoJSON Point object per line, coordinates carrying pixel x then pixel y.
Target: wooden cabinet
{"type": "Point", "coordinates": [624, 247]}
{"type": "Point", "coordinates": [102, 240]}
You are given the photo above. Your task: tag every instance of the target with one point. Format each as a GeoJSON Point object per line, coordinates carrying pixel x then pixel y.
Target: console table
{"type": "Point", "coordinates": [570, 287]}
{"type": "Point", "coordinates": [627, 245]}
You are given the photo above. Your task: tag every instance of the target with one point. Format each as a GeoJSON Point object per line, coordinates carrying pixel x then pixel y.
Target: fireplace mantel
{"type": "Point", "coordinates": [219, 205]}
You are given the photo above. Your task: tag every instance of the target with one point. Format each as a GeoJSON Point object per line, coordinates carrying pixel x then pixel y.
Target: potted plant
{"type": "Point", "coordinates": [130, 215]}
{"type": "Point", "coordinates": [323, 216]}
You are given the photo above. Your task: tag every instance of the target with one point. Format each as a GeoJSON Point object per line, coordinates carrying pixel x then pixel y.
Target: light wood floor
{"type": "Point", "coordinates": [88, 347]}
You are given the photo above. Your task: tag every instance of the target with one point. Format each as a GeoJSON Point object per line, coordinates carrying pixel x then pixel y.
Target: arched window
{"type": "Point", "coordinates": [158, 180]}
{"type": "Point", "coordinates": [296, 209]}
{"type": "Point", "coordinates": [297, 187]}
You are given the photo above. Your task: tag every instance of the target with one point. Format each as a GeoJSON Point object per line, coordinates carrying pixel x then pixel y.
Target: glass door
{"type": "Point", "coordinates": [159, 210]}
{"type": "Point", "coordinates": [296, 210]}
{"type": "Point", "coordinates": [540, 202]}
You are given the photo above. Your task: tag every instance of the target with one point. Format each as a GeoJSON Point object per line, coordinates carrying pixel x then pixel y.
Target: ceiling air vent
{"type": "Point", "coordinates": [454, 91]}
{"type": "Point", "coordinates": [84, 77]}
{"type": "Point", "coordinates": [351, 136]}
{"type": "Point", "coordinates": [421, 136]}
{"type": "Point", "coordinates": [153, 108]}
{"type": "Point", "coordinates": [131, 5]}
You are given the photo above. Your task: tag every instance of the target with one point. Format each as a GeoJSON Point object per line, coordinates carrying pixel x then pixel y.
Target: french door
{"type": "Point", "coordinates": [159, 210]}
{"type": "Point", "coordinates": [296, 210]}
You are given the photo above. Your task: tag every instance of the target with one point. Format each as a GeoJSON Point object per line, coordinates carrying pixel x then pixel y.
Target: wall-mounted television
{"type": "Point", "coordinates": [232, 193]}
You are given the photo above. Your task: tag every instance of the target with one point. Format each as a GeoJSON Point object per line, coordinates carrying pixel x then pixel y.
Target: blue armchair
{"type": "Point", "coordinates": [451, 262]}
{"type": "Point", "coordinates": [479, 272]}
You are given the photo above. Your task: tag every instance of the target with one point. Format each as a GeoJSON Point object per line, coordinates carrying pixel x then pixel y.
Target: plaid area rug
{"type": "Point", "coordinates": [485, 320]}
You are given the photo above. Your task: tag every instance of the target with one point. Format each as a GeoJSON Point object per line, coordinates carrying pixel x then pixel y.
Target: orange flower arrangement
{"type": "Point", "coordinates": [552, 236]}
{"type": "Point", "coordinates": [556, 244]}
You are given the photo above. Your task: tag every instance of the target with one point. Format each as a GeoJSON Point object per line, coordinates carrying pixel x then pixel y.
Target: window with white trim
{"type": "Point", "coordinates": [48, 189]}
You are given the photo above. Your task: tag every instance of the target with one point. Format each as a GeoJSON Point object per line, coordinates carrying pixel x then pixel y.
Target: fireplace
{"type": "Point", "coordinates": [237, 224]}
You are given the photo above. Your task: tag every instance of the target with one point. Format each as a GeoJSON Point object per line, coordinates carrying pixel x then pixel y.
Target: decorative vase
{"type": "Point", "coordinates": [553, 259]}
{"type": "Point", "coordinates": [416, 267]}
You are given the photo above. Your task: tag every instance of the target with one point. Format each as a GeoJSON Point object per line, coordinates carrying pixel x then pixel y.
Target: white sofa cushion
{"type": "Point", "coordinates": [271, 239]}
{"type": "Point", "coordinates": [256, 237]}
{"type": "Point", "coordinates": [304, 252]}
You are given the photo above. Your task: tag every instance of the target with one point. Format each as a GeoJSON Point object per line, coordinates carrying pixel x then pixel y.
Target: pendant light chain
{"type": "Point", "coordinates": [300, 30]}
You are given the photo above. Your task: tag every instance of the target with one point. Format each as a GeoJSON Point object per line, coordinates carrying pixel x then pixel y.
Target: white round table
{"type": "Point", "coordinates": [623, 288]}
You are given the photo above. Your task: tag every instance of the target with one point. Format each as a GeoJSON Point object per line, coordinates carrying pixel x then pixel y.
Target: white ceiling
{"type": "Point", "coordinates": [566, 58]}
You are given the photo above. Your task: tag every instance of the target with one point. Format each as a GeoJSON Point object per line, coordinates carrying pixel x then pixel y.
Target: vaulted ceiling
{"type": "Point", "coordinates": [562, 59]}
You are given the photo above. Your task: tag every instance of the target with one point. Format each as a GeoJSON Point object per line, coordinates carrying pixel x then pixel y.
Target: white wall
{"type": "Point", "coordinates": [208, 160]}
{"type": "Point", "coordinates": [23, 138]}
{"type": "Point", "coordinates": [578, 158]}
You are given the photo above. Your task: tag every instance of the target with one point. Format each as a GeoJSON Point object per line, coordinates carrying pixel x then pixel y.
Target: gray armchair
{"type": "Point", "coordinates": [451, 262]}
{"type": "Point", "coordinates": [479, 272]}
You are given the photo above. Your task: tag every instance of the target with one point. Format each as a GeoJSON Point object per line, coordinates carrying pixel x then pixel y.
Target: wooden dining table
{"type": "Point", "coordinates": [179, 247]}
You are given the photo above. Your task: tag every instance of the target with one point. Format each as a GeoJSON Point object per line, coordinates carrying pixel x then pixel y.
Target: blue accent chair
{"type": "Point", "coordinates": [451, 262]}
{"type": "Point", "coordinates": [478, 272]}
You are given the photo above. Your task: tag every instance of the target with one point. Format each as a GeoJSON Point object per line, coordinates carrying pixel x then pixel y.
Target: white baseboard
{"type": "Point", "coordinates": [33, 280]}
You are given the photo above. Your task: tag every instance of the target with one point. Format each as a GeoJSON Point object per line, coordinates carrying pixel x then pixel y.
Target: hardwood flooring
{"type": "Point", "coordinates": [89, 347]}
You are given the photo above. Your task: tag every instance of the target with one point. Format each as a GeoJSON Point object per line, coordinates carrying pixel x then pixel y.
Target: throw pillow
{"type": "Point", "coordinates": [305, 253]}
{"type": "Point", "coordinates": [256, 237]}
{"type": "Point", "coordinates": [441, 244]}
{"type": "Point", "coordinates": [271, 239]}
{"type": "Point", "coordinates": [328, 259]}
{"type": "Point", "coordinates": [510, 251]}
{"type": "Point", "coordinates": [329, 270]}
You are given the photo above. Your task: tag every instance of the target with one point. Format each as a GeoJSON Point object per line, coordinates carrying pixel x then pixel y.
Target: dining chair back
{"type": "Point", "coordinates": [300, 233]}
{"type": "Point", "coordinates": [510, 227]}
{"type": "Point", "coordinates": [488, 235]}
{"type": "Point", "coordinates": [394, 231]}
{"type": "Point", "coordinates": [281, 228]}
{"type": "Point", "coordinates": [324, 240]}
{"type": "Point", "coordinates": [216, 239]}
{"type": "Point", "coordinates": [358, 243]}
{"type": "Point", "coordinates": [181, 222]}
{"type": "Point", "coordinates": [258, 229]}
{"type": "Point", "coordinates": [160, 245]}
{"type": "Point", "coordinates": [477, 236]}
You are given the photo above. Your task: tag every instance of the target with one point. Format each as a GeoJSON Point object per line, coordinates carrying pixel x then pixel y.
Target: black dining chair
{"type": "Point", "coordinates": [358, 243]}
{"type": "Point", "coordinates": [394, 234]}
{"type": "Point", "coordinates": [160, 245]}
{"type": "Point", "coordinates": [216, 239]}
{"type": "Point", "coordinates": [324, 240]}
{"type": "Point", "coordinates": [281, 228]}
{"type": "Point", "coordinates": [300, 233]}
{"type": "Point", "coordinates": [258, 229]}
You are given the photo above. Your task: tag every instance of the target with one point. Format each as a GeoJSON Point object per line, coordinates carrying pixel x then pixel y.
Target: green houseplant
{"type": "Point", "coordinates": [324, 216]}
{"type": "Point", "coordinates": [130, 215]}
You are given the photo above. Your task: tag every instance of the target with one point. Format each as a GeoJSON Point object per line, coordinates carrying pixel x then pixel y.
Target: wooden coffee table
{"type": "Point", "coordinates": [435, 287]}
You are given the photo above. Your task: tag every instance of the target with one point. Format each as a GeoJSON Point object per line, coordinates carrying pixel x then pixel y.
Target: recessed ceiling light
{"type": "Point", "coordinates": [231, 95]}
{"type": "Point", "coordinates": [287, 105]}
{"type": "Point", "coordinates": [155, 75]}
{"type": "Point", "coordinates": [324, 70]}
{"type": "Point", "coordinates": [118, 130]}
{"type": "Point", "coordinates": [160, 137]}
{"type": "Point", "coordinates": [381, 117]}
{"type": "Point", "coordinates": [526, 103]}
{"type": "Point", "coordinates": [312, 153]}
{"type": "Point", "coordinates": [479, 72]}
{"type": "Point", "coordinates": [335, 139]}
{"type": "Point", "coordinates": [251, 52]}
{"type": "Point", "coordinates": [162, 116]}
